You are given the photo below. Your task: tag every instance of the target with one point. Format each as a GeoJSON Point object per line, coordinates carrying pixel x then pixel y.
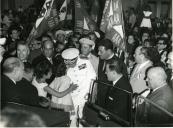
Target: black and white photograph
{"type": "Point", "coordinates": [86, 63]}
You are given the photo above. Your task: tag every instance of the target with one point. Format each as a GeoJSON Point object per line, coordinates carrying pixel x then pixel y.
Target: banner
{"type": "Point", "coordinates": [112, 23]}
{"type": "Point", "coordinates": [83, 22]}
{"type": "Point", "coordinates": [53, 11]}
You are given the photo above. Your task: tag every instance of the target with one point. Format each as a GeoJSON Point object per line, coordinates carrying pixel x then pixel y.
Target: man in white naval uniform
{"type": "Point", "coordinates": [82, 73]}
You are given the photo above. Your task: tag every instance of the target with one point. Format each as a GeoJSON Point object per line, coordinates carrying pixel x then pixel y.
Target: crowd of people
{"type": "Point", "coordinates": [56, 70]}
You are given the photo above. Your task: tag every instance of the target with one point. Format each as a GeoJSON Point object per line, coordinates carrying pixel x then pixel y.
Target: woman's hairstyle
{"type": "Point", "coordinates": [61, 70]}
{"type": "Point", "coordinates": [42, 68]}
{"type": "Point", "coordinates": [28, 68]}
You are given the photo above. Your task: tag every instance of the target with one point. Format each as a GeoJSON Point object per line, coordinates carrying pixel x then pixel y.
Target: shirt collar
{"type": "Point", "coordinates": [110, 56]}
{"type": "Point", "coordinates": [143, 64]}
{"type": "Point", "coordinates": [158, 88]}
{"type": "Point", "coordinates": [114, 82]}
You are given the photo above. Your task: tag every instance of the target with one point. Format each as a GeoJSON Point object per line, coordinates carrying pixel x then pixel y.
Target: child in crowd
{"type": "Point", "coordinates": [60, 88]}
{"type": "Point", "coordinates": [61, 83]}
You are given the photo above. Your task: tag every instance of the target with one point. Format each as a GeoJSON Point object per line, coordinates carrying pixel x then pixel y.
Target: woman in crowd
{"type": "Point", "coordinates": [60, 88]}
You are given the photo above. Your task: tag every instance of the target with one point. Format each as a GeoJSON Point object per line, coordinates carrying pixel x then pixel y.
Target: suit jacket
{"type": "Point", "coordinates": [118, 102]}
{"type": "Point", "coordinates": [101, 88]}
{"type": "Point", "coordinates": [8, 90]}
{"type": "Point", "coordinates": [137, 78]}
{"type": "Point", "coordinates": [163, 98]}
{"type": "Point", "coordinates": [94, 61]}
{"type": "Point", "coordinates": [28, 93]}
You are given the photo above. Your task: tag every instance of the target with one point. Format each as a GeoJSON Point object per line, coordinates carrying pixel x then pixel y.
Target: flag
{"type": "Point", "coordinates": [112, 23]}
{"type": "Point", "coordinates": [83, 21]}
{"type": "Point", "coordinates": [52, 13]}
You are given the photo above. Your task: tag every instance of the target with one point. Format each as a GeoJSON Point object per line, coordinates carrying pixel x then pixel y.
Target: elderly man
{"type": "Point", "coordinates": [28, 92]}
{"type": "Point", "coordinates": [23, 51]}
{"type": "Point", "coordinates": [81, 73]}
{"type": "Point", "coordinates": [47, 55]}
{"type": "Point", "coordinates": [13, 69]}
{"type": "Point", "coordinates": [138, 74]}
{"type": "Point", "coordinates": [87, 46]}
{"type": "Point", "coordinates": [161, 95]}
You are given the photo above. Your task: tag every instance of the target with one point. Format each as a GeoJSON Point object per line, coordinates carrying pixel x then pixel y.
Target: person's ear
{"type": "Point", "coordinates": [15, 71]}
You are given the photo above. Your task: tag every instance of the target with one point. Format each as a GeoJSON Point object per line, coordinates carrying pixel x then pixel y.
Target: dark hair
{"type": "Point", "coordinates": [46, 35]}
{"type": "Point", "coordinates": [145, 51]}
{"type": "Point", "coordinates": [150, 42]}
{"type": "Point", "coordinates": [61, 69]}
{"type": "Point", "coordinates": [22, 42]}
{"type": "Point", "coordinates": [106, 43]}
{"type": "Point", "coordinates": [43, 43]}
{"type": "Point", "coordinates": [165, 40]}
{"type": "Point", "coordinates": [115, 65]}
{"type": "Point", "coordinates": [42, 68]}
{"type": "Point", "coordinates": [28, 68]}
{"type": "Point", "coordinates": [12, 28]}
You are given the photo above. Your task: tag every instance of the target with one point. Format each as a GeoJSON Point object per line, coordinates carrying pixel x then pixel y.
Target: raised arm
{"type": "Point", "coordinates": [60, 94]}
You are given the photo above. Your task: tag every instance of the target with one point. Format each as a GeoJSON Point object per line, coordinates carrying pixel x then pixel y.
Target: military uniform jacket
{"type": "Point", "coordinates": [82, 74]}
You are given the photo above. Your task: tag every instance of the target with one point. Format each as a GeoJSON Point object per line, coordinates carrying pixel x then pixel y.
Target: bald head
{"type": "Point", "coordinates": [11, 63]}
{"type": "Point", "coordinates": [141, 54]}
{"type": "Point", "coordinates": [48, 48]}
{"type": "Point", "coordinates": [156, 77]}
{"type": "Point", "coordinates": [13, 68]}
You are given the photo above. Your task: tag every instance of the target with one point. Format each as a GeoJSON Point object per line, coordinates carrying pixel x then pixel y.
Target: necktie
{"type": "Point", "coordinates": [104, 65]}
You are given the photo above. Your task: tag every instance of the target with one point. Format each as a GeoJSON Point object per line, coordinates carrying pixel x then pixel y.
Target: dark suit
{"type": "Point", "coordinates": [150, 114]}
{"type": "Point", "coordinates": [117, 101]}
{"type": "Point", "coordinates": [163, 97]}
{"type": "Point", "coordinates": [8, 90]}
{"type": "Point", "coordinates": [102, 89]}
{"type": "Point", "coordinates": [28, 93]}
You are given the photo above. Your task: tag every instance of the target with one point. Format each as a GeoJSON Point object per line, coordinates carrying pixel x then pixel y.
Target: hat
{"type": "Point", "coordinates": [70, 55]}
{"type": "Point", "coordinates": [87, 41]}
{"type": "Point", "coordinates": [60, 32]}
